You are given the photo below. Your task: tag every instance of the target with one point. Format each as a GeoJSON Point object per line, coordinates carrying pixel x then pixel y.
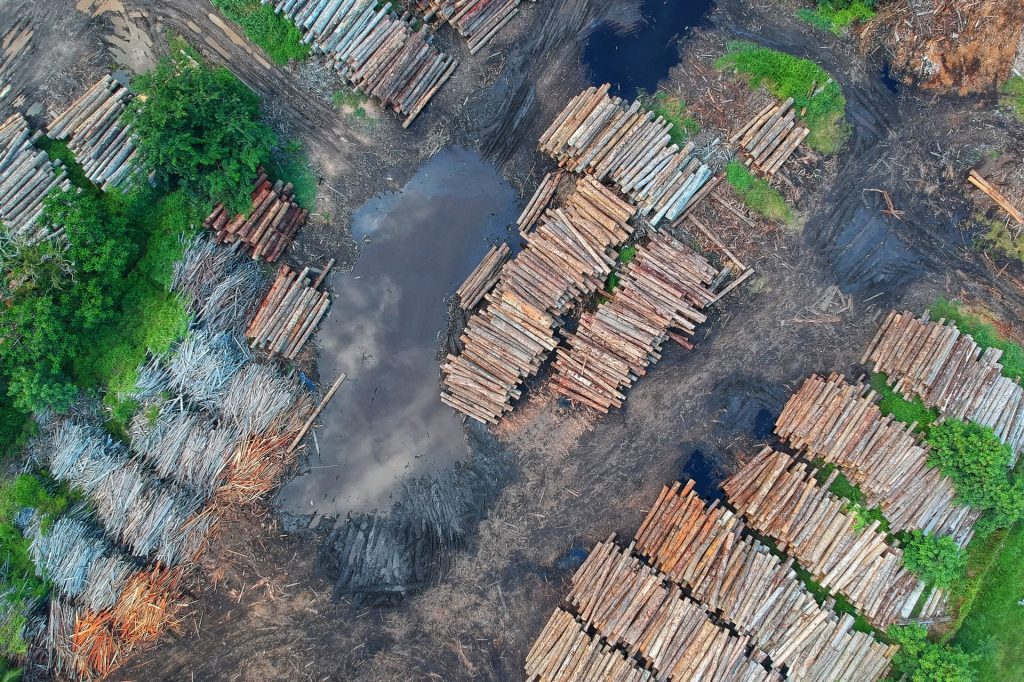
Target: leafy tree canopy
{"type": "Point", "coordinates": [937, 560]}
{"type": "Point", "coordinates": [921, 660]}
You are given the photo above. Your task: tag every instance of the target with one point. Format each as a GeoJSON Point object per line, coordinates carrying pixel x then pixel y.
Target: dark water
{"type": "Point", "coordinates": [889, 80]}
{"type": "Point", "coordinates": [703, 470]}
{"type": "Point", "coordinates": [639, 59]}
{"type": "Point", "coordinates": [387, 421]}
{"type": "Point", "coordinates": [572, 559]}
{"type": "Point", "coordinates": [764, 423]}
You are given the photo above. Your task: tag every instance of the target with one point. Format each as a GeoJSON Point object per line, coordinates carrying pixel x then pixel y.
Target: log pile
{"type": "Point", "coordinates": [377, 51]}
{"type": "Point", "coordinates": [779, 497]}
{"type": "Point", "coordinates": [484, 276]}
{"type": "Point", "coordinates": [951, 373]}
{"type": "Point", "coordinates": [663, 288]}
{"type": "Point", "coordinates": [629, 147]}
{"type": "Point", "coordinates": [26, 176]}
{"type": "Point", "coordinates": [269, 228]}
{"type": "Point", "coordinates": [995, 195]}
{"type": "Point", "coordinates": [841, 424]}
{"type": "Point", "coordinates": [94, 131]}
{"type": "Point", "coordinates": [564, 652]}
{"type": "Point", "coordinates": [540, 200]}
{"type": "Point", "coordinates": [705, 549]}
{"type": "Point", "coordinates": [569, 255]}
{"type": "Point", "coordinates": [289, 313]}
{"type": "Point", "coordinates": [771, 137]}
{"type": "Point", "coordinates": [476, 20]}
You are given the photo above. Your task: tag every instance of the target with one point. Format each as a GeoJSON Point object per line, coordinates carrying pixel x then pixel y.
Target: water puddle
{"type": "Point", "coordinates": [703, 469]}
{"type": "Point", "coordinates": [387, 315]}
{"type": "Point", "coordinates": [638, 59]}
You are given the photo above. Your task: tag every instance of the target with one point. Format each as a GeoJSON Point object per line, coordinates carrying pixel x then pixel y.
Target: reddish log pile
{"type": "Point", "coordinates": [705, 549]}
{"type": "Point", "coordinates": [484, 276]}
{"type": "Point", "coordinates": [629, 147]}
{"type": "Point", "coordinates": [841, 424]}
{"type": "Point", "coordinates": [564, 652]}
{"type": "Point", "coordinates": [269, 229]}
{"type": "Point", "coordinates": [950, 372]}
{"type": "Point", "coordinates": [779, 497]}
{"type": "Point", "coordinates": [541, 200]}
{"type": "Point", "coordinates": [476, 20]}
{"type": "Point", "coordinates": [771, 137]}
{"type": "Point", "coordinates": [26, 176]}
{"type": "Point", "coordinates": [569, 255]}
{"type": "Point", "coordinates": [663, 288]}
{"type": "Point", "coordinates": [377, 51]}
{"type": "Point", "coordinates": [289, 313]}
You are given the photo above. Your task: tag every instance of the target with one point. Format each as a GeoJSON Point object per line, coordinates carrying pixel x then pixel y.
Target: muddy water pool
{"type": "Point", "coordinates": [385, 325]}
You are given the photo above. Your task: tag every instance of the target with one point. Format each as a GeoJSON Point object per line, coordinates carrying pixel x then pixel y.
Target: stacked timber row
{"type": "Point", "coordinates": [841, 424]}
{"type": "Point", "coordinates": [771, 137]}
{"type": "Point", "coordinates": [629, 147]}
{"type": "Point", "coordinates": [779, 496]}
{"type": "Point", "coordinates": [95, 133]}
{"type": "Point", "coordinates": [950, 372]}
{"type": "Point", "coordinates": [476, 20]}
{"type": "Point", "coordinates": [26, 176]}
{"type": "Point", "coordinates": [484, 276]}
{"type": "Point", "coordinates": [272, 225]}
{"type": "Point", "coordinates": [569, 255]}
{"type": "Point", "coordinates": [375, 50]}
{"type": "Point", "coordinates": [564, 652]}
{"type": "Point", "coordinates": [663, 288]}
{"type": "Point", "coordinates": [289, 313]}
{"type": "Point", "coordinates": [705, 549]}
{"type": "Point", "coordinates": [539, 202]}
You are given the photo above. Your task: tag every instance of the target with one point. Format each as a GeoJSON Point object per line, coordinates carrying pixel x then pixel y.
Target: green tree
{"type": "Point", "coordinates": [199, 127]}
{"type": "Point", "coordinates": [922, 660]}
{"type": "Point", "coordinates": [937, 560]}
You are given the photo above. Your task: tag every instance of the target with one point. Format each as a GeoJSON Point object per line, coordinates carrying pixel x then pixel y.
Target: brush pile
{"type": "Point", "coordinates": [841, 424]}
{"type": "Point", "coordinates": [484, 276]}
{"type": "Point", "coordinates": [373, 48]}
{"type": "Point", "coordinates": [629, 147]}
{"type": "Point", "coordinates": [217, 286]}
{"type": "Point", "coordinates": [568, 256]}
{"type": "Point", "coordinates": [94, 131]}
{"type": "Point", "coordinates": [26, 176]}
{"type": "Point", "coordinates": [951, 373]}
{"type": "Point", "coordinates": [779, 497]}
{"type": "Point", "coordinates": [476, 20]}
{"type": "Point", "coordinates": [289, 313]}
{"type": "Point", "coordinates": [771, 137]}
{"type": "Point", "coordinates": [269, 228]}
{"type": "Point", "coordinates": [663, 288]}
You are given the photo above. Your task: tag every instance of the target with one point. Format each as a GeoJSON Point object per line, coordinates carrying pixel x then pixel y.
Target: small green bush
{"type": "Point", "coordinates": [626, 255]}
{"type": "Point", "coordinates": [983, 333]}
{"type": "Point", "coordinates": [899, 408]}
{"type": "Point", "coordinates": [922, 660]}
{"type": "Point", "coordinates": [1013, 96]}
{"type": "Point", "coordinates": [756, 193]}
{"type": "Point", "coordinates": [836, 16]}
{"type": "Point", "coordinates": [818, 100]}
{"type": "Point", "coordinates": [673, 110]}
{"type": "Point", "coordinates": [939, 561]}
{"type": "Point", "coordinates": [291, 165]}
{"type": "Point", "coordinates": [278, 36]}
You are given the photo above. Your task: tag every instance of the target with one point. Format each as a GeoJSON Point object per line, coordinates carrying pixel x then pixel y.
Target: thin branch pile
{"type": "Point", "coordinates": [26, 176]}
{"type": "Point", "coordinates": [289, 313]}
{"type": "Point", "coordinates": [269, 228]}
{"type": "Point", "coordinates": [771, 137]}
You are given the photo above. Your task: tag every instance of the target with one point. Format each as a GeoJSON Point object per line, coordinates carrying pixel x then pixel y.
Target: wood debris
{"type": "Point", "coordinates": [662, 289]}
{"type": "Point", "coordinates": [771, 137]}
{"type": "Point", "coordinates": [374, 49]}
{"type": "Point", "coordinates": [476, 20]}
{"type": "Point", "coordinates": [269, 228]}
{"type": "Point", "coordinates": [289, 314]}
{"type": "Point", "coordinates": [569, 255]}
{"type": "Point", "coordinates": [950, 372]}
{"type": "Point", "coordinates": [629, 147]}
{"type": "Point", "coordinates": [27, 175]}
{"type": "Point", "coordinates": [484, 276]}
{"type": "Point", "coordinates": [842, 424]}
{"type": "Point", "coordinates": [778, 496]}
{"type": "Point", "coordinates": [995, 195]}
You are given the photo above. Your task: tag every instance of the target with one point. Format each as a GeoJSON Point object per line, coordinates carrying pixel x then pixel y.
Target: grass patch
{"type": "Point", "coordinates": [59, 150]}
{"type": "Point", "coordinates": [997, 235]}
{"type": "Point", "coordinates": [1013, 96]}
{"type": "Point", "coordinates": [290, 165]}
{"type": "Point", "coordinates": [673, 110]}
{"type": "Point", "coordinates": [818, 100]}
{"type": "Point", "coordinates": [983, 333]}
{"type": "Point", "coordinates": [757, 194]}
{"type": "Point", "coordinates": [836, 16]}
{"type": "Point", "coordinates": [278, 36]}
{"type": "Point", "coordinates": [899, 408]}
{"type": "Point", "coordinates": [351, 102]}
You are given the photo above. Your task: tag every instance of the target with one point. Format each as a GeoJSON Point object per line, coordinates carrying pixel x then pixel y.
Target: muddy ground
{"type": "Point", "coordinates": [553, 480]}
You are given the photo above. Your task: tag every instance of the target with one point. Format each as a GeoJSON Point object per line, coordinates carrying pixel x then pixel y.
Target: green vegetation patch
{"type": "Point", "coordinates": [983, 333]}
{"type": "Point", "coordinates": [626, 255]}
{"type": "Point", "coordinates": [673, 110]}
{"type": "Point", "coordinates": [278, 36]}
{"type": "Point", "coordinates": [59, 150]}
{"type": "Point", "coordinates": [1013, 96]}
{"type": "Point", "coordinates": [843, 487]}
{"type": "Point", "coordinates": [757, 194]}
{"type": "Point", "coordinates": [818, 100]}
{"type": "Point", "coordinates": [999, 236]}
{"type": "Point", "coordinates": [921, 660]}
{"type": "Point", "coordinates": [291, 165]}
{"type": "Point", "coordinates": [899, 408]}
{"type": "Point", "coordinates": [938, 560]}
{"type": "Point", "coordinates": [351, 102]}
{"type": "Point", "coordinates": [836, 16]}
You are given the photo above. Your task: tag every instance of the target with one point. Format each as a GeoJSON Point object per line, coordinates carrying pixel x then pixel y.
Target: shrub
{"type": "Point", "coordinates": [756, 193]}
{"type": "Point", "coordinates": [939, 561]}
{"type": "Point", "coordinates": [899, 408]}
{"type": "Point", "coordinates": [984, 334]}
{"type": "Point", "coordinates": [922, 660]}
{"type": "Point", "coordinates": [818, 100]}
{"type": "Point", "coordinates": [836, 16]}
{"type": "Point", "coordinates": [278, 36]}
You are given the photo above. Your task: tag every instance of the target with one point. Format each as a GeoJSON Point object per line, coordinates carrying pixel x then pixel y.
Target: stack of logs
{"type": "Point", "coordinates": [664, 287]}
{"type": "Point", "coordinates": [569, 255]}
{"type": "Point", "coordinates": [538, 202]}
{"type": "Point", "coordinates": [841, 424]}
{"type": "Point", "coordinates": [476, 20]}
{"type": "Point", "coordinates": [564, 652]}
{"type": "Point", "coordinates": [26, 176]}
{"type": "Point", "coordinates": [950, 372]}
{"type": "Point", "coordinates": [778, 496]}
{"type": "Point", "coordinates": [484, 276]}
{"type": "Point", "coordinates": [771, 137]}
{"type": "Point", "coordinates": [94, 131]}
{"type": "Point", "coordinates": [629, 147]}
{"type": "Point", "coordinates": [705, 549]}
{"type": "Point", "coordinates": [269, 228]}
{"type": "Point", "coordinates": [289, 313]}
{"type": "Point", "coordinates": [375, 50]}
